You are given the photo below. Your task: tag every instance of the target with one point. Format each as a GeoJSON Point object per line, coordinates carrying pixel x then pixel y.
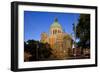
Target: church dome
{"type": "Point", "coordinates": [56, 24]}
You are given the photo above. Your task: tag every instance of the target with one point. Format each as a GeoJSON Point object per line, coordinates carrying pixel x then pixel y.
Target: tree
{"type": "Point", "coordinates": [83, 30]}
{"type": "Point", "coordinates": [32, 47]}
{"type": "Point", "coordinates": [44, 51]}
{"type": "Point", "coordinates": [38, 50]}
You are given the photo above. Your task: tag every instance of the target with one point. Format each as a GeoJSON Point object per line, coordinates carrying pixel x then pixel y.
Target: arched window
{"type": "Point", "coordinates": [53, 31]}
{"type": "Point", "coordinates": [59, 31]}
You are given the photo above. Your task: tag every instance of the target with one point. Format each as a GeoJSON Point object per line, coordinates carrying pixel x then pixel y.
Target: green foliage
{"type": "Point", "coordinates": [39, 51]}
{"type": "Point", "coordinates": [83, 30]}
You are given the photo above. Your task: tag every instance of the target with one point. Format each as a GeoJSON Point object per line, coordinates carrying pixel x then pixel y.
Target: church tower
{"type": "Point", "coordinates": [55, 28]}
{"type": "Point", "coordinates": [44, 37]}
{"type": "Point", "coordinates": [60, 41]}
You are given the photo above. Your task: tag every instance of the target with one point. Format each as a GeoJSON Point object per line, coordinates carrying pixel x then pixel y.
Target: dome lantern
{"type": "Point", "coordinates": [56, 24]}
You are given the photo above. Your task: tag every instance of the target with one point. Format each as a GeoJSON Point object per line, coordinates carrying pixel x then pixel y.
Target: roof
{"type": "Point", "coordinates": [55, 24]}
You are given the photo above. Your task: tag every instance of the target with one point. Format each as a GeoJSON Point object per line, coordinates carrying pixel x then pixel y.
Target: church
{"type": "Point", "coordinates": [60, 41]}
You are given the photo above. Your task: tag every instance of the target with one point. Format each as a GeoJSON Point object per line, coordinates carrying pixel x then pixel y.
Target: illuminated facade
{"type": "Point", "coordinates": [60, 41]}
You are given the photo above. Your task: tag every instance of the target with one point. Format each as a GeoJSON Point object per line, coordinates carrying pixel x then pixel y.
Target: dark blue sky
{"type": "Point", "coordinates": [37, 22]}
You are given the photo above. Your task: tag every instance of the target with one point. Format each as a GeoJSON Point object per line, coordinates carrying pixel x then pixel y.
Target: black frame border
{"type": "Point", "coordinates": [14, 35]}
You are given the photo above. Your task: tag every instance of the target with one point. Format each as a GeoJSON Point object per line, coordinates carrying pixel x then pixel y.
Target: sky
{"type": "Point", "coordinates": [37, 22]}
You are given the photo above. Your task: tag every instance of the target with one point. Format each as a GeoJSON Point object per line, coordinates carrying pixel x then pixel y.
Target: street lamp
{"type": "Point", "coordinates": [74, 38]}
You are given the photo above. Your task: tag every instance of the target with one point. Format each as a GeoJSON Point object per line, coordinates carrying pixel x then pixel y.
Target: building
{"type": "Point", "coordinates": [60, 41]}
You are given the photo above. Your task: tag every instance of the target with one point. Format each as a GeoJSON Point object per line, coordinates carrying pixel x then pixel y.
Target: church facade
{"type": "Point", "coordinates": [60, 41]}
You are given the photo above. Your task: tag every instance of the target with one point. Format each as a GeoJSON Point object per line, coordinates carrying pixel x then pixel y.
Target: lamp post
{"type": "Point", "coordinates": [74, 38]}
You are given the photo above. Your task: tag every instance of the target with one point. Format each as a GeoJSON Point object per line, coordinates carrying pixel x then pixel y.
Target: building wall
{"type": "Point", "coordinates": [60, 45]}
{"type": "Point", "coordinates": [59, 41]}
